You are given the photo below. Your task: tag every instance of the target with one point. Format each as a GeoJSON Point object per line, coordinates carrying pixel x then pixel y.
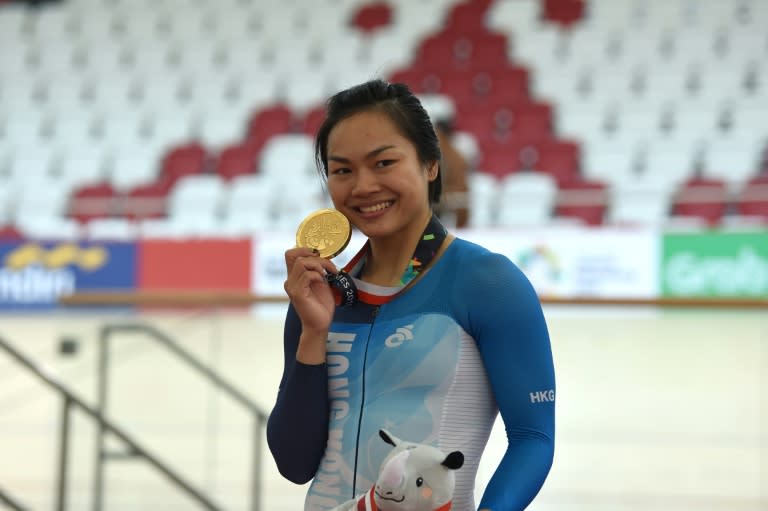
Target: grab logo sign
{"type": "Point", "coordinates": [715, 265]}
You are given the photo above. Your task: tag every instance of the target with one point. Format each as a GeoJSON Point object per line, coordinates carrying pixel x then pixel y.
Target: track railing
{"type": "Point", "coordinates": [106, 337]}
{"type": "Point", "coordinates": [70, 401]}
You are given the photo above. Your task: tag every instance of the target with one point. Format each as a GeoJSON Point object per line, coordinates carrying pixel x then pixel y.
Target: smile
{"type": "Point", "coordinates": [376, 207]}
{"type": "Point", "coordinates": [389, 498]}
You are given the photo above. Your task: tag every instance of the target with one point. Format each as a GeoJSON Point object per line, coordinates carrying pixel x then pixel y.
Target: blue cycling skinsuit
{"type": "Point", "coordinates": [434, 364]}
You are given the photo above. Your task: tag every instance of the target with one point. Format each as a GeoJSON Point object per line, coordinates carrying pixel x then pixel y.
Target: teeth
{"type": "Point", "coordinates": [377, 207]}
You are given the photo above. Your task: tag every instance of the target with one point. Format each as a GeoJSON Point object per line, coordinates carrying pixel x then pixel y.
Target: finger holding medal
{"type": "Point", "coordinates": [322, 235]}
{"type": "Point", "coordinates": [307, 287]}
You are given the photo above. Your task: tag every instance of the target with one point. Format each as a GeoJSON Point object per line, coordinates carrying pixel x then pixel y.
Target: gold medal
{"type": "Point", "coordinates": [326, 230]}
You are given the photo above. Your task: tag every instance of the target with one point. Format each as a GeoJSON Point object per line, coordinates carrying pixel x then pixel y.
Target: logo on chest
{"type": "Point", "coordinates": [402, 334]}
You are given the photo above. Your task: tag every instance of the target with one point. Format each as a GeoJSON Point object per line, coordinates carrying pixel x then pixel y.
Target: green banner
{"type": "Point", "coordinates": [727, 265]}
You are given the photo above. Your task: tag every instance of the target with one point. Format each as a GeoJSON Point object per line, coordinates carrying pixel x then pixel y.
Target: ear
{"type": "Point", "coordinates": [454, 460]}
{"type": "Point", "coordinates": [433, 170]}
{"type": "Point", "coordinates": [387, 437]}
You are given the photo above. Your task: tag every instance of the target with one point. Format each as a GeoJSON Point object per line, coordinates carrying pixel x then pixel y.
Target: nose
{"type": "Point", "coordinates": [366, 183]}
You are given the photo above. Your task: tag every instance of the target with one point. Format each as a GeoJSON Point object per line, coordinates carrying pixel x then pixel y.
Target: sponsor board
{"type": "Point", "coordinates": [716, 264]}
{"type": "Point", "coordinates": [35, 275]}
{"type": "Point", "coordinates": [559, 262]}
{"type": "Point", "coordinates": [199, 264]}
{"type": "Point", "coordinates": [580, 262]}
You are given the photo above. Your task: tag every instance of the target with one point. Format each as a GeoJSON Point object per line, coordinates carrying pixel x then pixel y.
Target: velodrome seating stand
{"type": "Point", "coordinates": [115, 104]}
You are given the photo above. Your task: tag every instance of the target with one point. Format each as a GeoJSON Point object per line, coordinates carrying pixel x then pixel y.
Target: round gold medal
{"type": "Point", "coordinates": [326, 230]}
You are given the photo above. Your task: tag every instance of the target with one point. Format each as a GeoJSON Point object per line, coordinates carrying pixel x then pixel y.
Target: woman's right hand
{"type": "Point", "coordinates": [308, 290]}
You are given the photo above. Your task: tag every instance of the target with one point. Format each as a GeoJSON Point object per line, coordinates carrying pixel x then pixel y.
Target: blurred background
{"type": "Point", "coordinates": [616, 150]}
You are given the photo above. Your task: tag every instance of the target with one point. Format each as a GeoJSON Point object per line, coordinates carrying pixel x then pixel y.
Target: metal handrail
{"type": "Point", "coordinates": [10, 502]}
{"type": "Point", "coordinates": [70, 400]}
{"type": "Point", "coordinates": [260, 416]}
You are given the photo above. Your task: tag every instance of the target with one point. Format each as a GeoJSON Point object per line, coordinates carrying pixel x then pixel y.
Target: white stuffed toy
{"type": "Point", "coordinates": [413, 477]}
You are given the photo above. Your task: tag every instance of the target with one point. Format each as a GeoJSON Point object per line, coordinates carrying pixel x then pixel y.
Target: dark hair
{"type": "Point", "coordinates": [403, 108]}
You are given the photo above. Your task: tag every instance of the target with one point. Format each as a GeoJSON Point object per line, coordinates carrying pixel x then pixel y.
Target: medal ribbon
{"type": "Point", "coordinates": [431, 239]}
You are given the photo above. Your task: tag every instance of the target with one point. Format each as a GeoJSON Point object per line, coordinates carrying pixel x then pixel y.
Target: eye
{"type": "Point", "coordinates": [419, 482]}
{"type": "Point", "coordinates": [339, 170]}
{"type": "Point", "coordinates": [384, 163]}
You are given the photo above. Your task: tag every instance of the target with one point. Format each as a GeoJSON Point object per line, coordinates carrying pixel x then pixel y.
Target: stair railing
{"type": "Point", "coordinates": [70, 400]}
{"type": "Point", "coordinates": [106, 335]}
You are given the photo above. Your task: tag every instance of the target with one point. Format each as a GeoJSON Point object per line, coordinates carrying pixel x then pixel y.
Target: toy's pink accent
{"type": "Point", "coordinates": [394, 471]}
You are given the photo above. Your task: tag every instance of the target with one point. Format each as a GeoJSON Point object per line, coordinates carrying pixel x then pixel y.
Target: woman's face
{"type": "Point", "coordinates": [375, 178]}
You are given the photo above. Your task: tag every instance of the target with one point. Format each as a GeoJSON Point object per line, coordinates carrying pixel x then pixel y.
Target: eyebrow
{"type": "Point", "coordinates": [371, 154]}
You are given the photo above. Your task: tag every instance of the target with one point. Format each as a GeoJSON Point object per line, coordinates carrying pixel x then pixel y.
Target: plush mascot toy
{"type": "Point", "coordinates": [413, 477]}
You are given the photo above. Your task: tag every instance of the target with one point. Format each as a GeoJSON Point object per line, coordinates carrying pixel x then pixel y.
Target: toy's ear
{"type": "Point", "coordinates": [454, 460]}
{"type": "Point", "coordinates": [388, 437]}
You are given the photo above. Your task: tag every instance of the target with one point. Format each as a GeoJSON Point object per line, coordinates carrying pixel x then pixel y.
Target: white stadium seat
{"type": "Point", "coordinates": [249, 204]}
{"type": "Point", "coordinates": [483, 199]}
{"type": "Point", "coordinates": [48, 228]}
{"type": "Point", "coordinates": [288, 158]}
{"type": "Point", "coordinates": [111, 229]}
{"type": "Point", "coordinates": [639, 200]}
{"type": "Point", "coordinates": [42, 197]}
{"type": "Point", "coordinates": [198, 198]}
{"type": "Point", "coordinates": [86, 164]}
{"type": "Point", "coordinates": [526, 199]}
{"type": "Point", "coordinates": [5, 202]}
{"type": "Point", "coordinates": [133, 165]}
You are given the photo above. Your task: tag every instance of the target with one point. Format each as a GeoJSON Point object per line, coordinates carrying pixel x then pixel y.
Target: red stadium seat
{"type": "Point", "coordinates": [467, 15]}
{"type": "Point", "coordinates": [502, 154]}
{"type": "Point", "coordinates": [564, 12]}
{"type": "Point", "coordinates": [459, 85]}
{"type": "Point", "coordinates": [753, 199]}
{"type": "Point", "coordinates": [419, 80]}
{"type": "Point", "coordinates": [372, 17]}
{"type": "Point", "coordinates": [502, 84]}
{"type": "Point", "coordinates": [311, 120]}
{"type": "Point", "coordinates": [98, 200]}
{"type": "Point", "coordinates": [184, 160]}
{"type": "Point", "coordinates": [702, 198]}
{"type": "Point", "coordinates": [585, 201]}
{"type": "Point", "coordinates": [530, 120]}
{"type": "Point", "coordinates": [561, 159]}
{"type": "Point", "coordinates": [447, 50]}
{"type": "Point", "coordinates": [522, 119]}
{"type": "Point", "coordinates": [236, 160]}
{"type": "Point", "coordinates": [9, 233]}
{"type": "Point", "coordinates": [148, 201]}
{"type": "Point", "coordinates": [267, 122]}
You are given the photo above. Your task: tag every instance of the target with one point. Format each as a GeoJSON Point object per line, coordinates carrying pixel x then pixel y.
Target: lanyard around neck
{"type": "Point", "coordinates": [426, 249]}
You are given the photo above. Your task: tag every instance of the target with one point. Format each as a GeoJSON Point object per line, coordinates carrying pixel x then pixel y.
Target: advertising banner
{"type": "Point", "coordinates": [580, 262]}
{"type": "Point", "coordinates": [715, 265]}
{"type": "Point", "coordinates": [199, 264]}
{"type": "Point", "coordinates": [34, 275]}
{"type": "Point", "coordinates": [559, 262]}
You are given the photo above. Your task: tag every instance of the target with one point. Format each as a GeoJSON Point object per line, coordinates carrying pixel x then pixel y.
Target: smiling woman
{"type": "Point", "coordinates": [381, 188]}
{"type": "Point", "coordinates": [441, 337]}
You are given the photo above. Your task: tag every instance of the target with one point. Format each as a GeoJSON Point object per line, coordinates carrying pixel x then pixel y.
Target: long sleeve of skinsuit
{"type": "Point", "coordinates": [297, 429]}
{"type": "Point", "coordinates": [514, 345]}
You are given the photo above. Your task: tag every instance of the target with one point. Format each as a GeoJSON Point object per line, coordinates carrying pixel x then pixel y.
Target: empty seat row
{"type": "Point", "coordinates": [205, 206]}
{"type": "Point", "coordinates": [534, 198]}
